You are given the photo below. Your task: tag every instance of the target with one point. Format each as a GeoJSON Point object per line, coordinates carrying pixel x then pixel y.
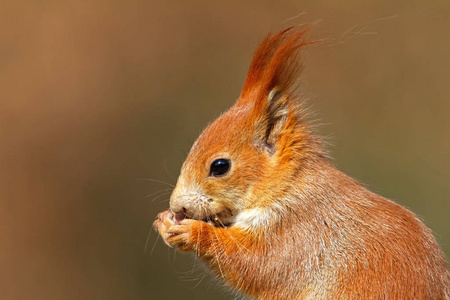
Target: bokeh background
{"type": "Point", "coordinates": [96, 97]}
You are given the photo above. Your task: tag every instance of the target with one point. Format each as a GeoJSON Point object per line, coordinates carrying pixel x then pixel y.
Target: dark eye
{"type": "Point", "coordinates": [219, 167]}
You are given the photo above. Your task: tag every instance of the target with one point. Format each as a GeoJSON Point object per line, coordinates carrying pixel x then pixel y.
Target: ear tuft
{"type": "Point", "coordinates": [275, 65]}
{"type": "Point", "coordinates": [271, 84]}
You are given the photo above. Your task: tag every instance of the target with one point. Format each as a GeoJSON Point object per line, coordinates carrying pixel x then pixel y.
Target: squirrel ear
{"type": "Point", "coordinates": [271, 126]}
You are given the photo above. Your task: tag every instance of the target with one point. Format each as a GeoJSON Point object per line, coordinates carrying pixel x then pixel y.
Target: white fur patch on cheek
{"type": "Point", "coordinates": [255, 217]}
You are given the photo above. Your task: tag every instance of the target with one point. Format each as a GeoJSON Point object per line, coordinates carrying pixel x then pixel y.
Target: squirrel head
{"type": "Point", "coordinates": [241, 166]}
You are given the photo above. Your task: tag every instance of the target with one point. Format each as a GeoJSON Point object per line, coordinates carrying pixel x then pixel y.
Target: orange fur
{"type": "Point", "coordinates": [284, 223]}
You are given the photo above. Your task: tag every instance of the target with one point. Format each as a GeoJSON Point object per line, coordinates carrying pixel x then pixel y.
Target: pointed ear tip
{"type": "Point", "coordinates": [301, 34]}
{"type": "Point", "coordinates": [277, 58]}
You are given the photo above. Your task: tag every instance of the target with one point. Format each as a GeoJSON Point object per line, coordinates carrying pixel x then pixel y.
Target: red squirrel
{"type": "Point", "coordinates": [261, 203]}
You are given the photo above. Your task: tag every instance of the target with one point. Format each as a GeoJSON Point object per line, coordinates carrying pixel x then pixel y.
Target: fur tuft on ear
{"type": "Point", "coordinates": [276, 65]}
{"type": "Point", "coordinates": [270, 85]}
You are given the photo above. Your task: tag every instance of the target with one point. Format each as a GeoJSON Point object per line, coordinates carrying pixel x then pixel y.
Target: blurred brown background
{"type": "Point", "coordinates": [96, 96]}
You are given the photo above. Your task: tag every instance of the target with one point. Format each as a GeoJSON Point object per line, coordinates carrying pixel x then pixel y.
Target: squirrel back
{"type": "Point", "coordinates": [259, 200]}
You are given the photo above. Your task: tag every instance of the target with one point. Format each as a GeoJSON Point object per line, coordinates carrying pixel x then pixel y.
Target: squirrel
{"type": "Point", "coordinates": [259, 200]}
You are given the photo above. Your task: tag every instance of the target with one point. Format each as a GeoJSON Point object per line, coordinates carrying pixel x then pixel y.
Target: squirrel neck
{"type": "Point", "coordinates": [311, 193]}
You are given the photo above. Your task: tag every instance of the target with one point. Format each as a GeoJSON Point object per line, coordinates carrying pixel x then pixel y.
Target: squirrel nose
{"type": "Point", "coordinates": [177, 209]}
{"type": "Point", "coordinates": [176, 201]}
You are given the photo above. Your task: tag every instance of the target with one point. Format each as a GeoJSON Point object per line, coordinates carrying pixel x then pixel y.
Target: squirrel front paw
{"type": "Point", "coordinates": [175, 232]}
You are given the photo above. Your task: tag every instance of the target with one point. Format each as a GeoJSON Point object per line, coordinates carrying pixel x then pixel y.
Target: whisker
{"type": "Point", "coordinates": [167, 170]}
{"type": "Point", "coordinates": [156, 241]}
{"type": "Point", "coordinates": [155, 180]}
{"type": "Point", "coordinates": [165, 194]}
{"type": "Point", "coordinates": [239, 244]}
{"type": "Point", "coordinates": [164, 190]}
{"type": "Point", "coordinates": [198, 235]}
{"type": "Point", "coordinates": [148, 238]}
{"type": "Point", "coordinates": [190, 278]}
{"type": "Point", "coordinates": [198, 283]}
{"type": "Point", "coordinates": [215, 250]}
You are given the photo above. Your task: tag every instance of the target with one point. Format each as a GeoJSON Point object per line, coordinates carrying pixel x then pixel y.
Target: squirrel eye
{"type": "Point", "coordinates": [219, 167]}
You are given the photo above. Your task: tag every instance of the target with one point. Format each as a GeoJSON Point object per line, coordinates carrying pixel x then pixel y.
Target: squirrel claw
{"type": "Point", "coordinates": [174, 231]}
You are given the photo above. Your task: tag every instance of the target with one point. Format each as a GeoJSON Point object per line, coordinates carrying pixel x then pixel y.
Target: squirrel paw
{"type": "Point", "coordinates": [176, 233]}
